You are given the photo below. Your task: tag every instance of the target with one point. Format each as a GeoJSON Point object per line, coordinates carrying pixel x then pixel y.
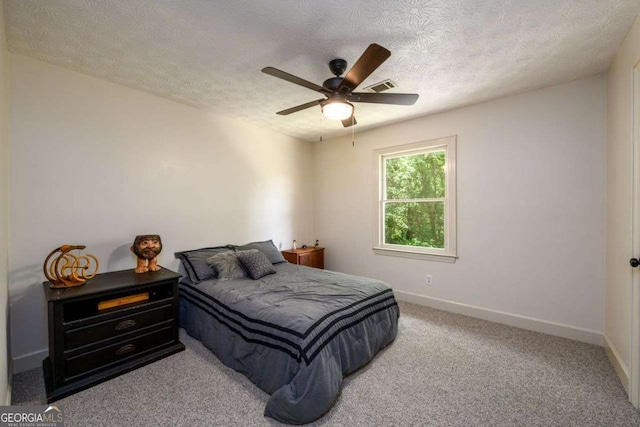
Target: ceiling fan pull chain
{"type": "Point", "coordinates": [353, 133]}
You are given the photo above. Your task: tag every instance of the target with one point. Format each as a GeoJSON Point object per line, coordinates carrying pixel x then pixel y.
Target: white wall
{"type": "Point", "coordinates": [530, 206]}
{"type": "Point", "coordinates": [5, 381]}
{"type": "Point", "coordinates": [619, 178]}
{"type": "Point", "coordinates": [95, 163]}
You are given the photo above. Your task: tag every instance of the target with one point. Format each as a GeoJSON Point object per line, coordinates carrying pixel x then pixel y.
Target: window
{"type": "Point", "coordinates": [415, 200]}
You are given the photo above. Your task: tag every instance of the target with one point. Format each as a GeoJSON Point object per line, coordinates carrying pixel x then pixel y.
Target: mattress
{"type": "Point", "coordinates": [294, 334]}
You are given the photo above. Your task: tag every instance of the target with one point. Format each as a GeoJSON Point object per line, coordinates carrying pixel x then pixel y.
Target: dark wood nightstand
{"type": "Point", "coordinates": [116, 322]}
{"type": "Point", "coordinates": [311, 257]}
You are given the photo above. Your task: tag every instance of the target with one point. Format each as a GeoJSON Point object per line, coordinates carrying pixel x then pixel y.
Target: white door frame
{"type": "Point", "coordinates": [634, 368]}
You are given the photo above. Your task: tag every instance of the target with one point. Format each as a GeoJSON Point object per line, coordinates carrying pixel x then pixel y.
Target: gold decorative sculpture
{"type": "Point", "coordinates": [67, 270]}
{"type": "Point", "coordinates": [147, 247]}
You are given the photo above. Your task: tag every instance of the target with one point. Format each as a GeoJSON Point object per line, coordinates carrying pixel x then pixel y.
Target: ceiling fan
{"type": "Point", "coordinates": [339, 91]}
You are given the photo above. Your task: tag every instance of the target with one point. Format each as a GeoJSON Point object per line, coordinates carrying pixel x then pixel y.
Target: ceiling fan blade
{"type": "Point", "coordinates": [300, 107]}
{"type": "Point", "coordinates": [294, 79]}
{"type": "Point", "coordinates": [349, 122]}
{"type": "Point", "coordinates": [384, 98]}
{"type": "Point", "coordinates": [371, 59]}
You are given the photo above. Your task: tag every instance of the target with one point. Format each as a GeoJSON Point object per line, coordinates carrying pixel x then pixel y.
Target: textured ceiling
{"type": "Point", "coordinates": [209, 53]}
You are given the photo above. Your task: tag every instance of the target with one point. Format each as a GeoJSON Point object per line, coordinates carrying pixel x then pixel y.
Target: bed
{"type": "Point", "coordinates": [294, 332]}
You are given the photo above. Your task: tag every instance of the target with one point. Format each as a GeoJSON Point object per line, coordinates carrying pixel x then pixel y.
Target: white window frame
{"type": "Point", "coordinates": [448, 254]}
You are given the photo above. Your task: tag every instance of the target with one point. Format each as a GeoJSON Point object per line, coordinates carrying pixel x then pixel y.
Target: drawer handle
{"type": "Point", "coordinates": [125, 349]}
{"type": "Point", "coordinates": [125, 324]}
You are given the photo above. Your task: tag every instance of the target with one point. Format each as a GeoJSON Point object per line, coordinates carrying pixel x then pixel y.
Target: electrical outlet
{"type": "Point", "coordinates": [429, 281]}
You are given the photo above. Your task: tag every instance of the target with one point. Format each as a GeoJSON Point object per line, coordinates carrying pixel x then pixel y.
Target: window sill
{"type": "Point", "coordinates": [416, 255]}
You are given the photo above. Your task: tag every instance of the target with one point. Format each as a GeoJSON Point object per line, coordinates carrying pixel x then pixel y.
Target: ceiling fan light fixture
{"type": "Point", "coordinates": [337, 109]}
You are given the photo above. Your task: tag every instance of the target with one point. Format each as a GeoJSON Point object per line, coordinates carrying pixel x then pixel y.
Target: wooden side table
{"type": "Point", "coordinates": [311, 257]}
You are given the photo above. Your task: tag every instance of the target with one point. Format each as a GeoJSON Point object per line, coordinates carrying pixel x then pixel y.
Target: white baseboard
{"type": "Point", "coordinates": [614, 357]}
{"type": "Point", "coordinates": [551, 328]}
{"type": "Point", "coordinates": [9, 383]}
{"type": "Point", "coordinates": [29, 361]}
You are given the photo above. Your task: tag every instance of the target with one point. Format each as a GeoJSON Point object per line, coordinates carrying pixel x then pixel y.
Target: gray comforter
{"type": "Point", "coordinates": [294, 333]}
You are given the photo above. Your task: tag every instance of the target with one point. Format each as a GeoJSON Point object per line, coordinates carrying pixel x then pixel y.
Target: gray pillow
{"type": "Point", "coordinates": [267, 247]}
{"type": "Point", "coordinates": [195, 262]}
{"type": "Point", "coordinates": [256, 263]}
{"type": "Point", "coordinates": [227, 265]}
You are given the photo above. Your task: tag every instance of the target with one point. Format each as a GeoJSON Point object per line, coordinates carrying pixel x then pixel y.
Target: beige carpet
{"type": "Point", "coordinates": [443, 369]}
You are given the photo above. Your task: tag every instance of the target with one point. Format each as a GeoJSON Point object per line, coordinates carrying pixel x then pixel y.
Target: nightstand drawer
{"type": "Point", "coordinates": [304, 259]}
{"type": "Point", "coordinates": [99, 331]}
{"type": "Point", "coordinates": [103, 357]}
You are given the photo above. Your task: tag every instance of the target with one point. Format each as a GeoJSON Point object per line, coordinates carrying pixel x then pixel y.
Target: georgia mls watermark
{"type": "Point", "coordinates": [31, 416]}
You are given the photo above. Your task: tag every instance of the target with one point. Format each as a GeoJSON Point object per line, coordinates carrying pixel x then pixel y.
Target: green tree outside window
{"type": "Point", "coordinates": [414, 200]}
